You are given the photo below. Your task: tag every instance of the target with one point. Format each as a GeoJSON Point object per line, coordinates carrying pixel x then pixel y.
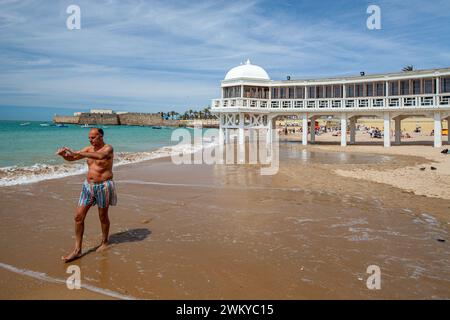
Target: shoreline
{"type": "Point", "coordinates": [409, 178]}
{"type": "Point", "coordinates": [12, 176]}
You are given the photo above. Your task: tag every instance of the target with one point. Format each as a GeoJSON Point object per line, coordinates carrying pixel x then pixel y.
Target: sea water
{"type": "Point", "coordinates": [27, 148]}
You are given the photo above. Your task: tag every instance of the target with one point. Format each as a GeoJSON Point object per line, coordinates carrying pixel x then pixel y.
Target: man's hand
{"type": "Point", "coordinates": [68, 154]}
{"type": "Point", "coordinates": [61, 151]}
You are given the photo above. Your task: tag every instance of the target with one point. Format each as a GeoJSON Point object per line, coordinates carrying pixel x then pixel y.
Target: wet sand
{"type": "Point", "coordinates": [226, 232]}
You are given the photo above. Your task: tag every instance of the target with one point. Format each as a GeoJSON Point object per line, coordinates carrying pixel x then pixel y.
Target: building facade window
{"type": "Point", "coordinates": [359, 90]}
{"type": "Point", "coordinates": [232, 92]}
{"type": "Point", "coordinates": [404, 87]}
{"type": "Point", "coordinates": [393, 88]}
{"type": "Point", "coordinates": [275, 93]}
{"type": "Point", "coordinates": [380, 89]}
{"type": "Point", "coordinates": [445, 85]}
{"type": "Point", "coordinates": [299, 93]}
{"type": "Point", "coordinates": [428, 86]}
{"type": "Point", "coordinates": [369, 90]}
{"type": "Point", "coordinates": [337, 91]}
{"type": "Point", "coordinates": [312, 92]}
{"type": "Point", "coordinates": [256, 92]}
{"type": "Point", "coordinates": [320, 92]}
{"type": "Point", "coordinates": [350, 90]}
{"type": "Point", "coordinates": [416, 86]}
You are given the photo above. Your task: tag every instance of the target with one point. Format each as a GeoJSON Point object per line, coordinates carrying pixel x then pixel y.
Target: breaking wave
{"type": "Point", "coordinates": [15, 175]}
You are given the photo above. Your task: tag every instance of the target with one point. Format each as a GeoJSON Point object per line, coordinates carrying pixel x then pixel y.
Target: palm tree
{"type": "Point", "coordinates": [207, 112]}
{"type": "Point", "coordinates": [191, 113]}
{"type": "Point", "coordinates": [408, 68]}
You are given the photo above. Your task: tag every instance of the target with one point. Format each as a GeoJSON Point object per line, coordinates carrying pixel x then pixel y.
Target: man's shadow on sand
{"type": "Point", "coordinates": [132, 235]}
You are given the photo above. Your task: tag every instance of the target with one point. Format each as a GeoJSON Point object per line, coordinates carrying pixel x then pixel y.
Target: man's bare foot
{"type": "Point", "coordinates": [75, 254]}
{"type": "Point", "coordinates": [102, 247]}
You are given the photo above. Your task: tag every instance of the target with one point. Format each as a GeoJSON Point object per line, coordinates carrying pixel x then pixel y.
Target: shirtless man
{"type": "Point", "coordinates": [98, 188]}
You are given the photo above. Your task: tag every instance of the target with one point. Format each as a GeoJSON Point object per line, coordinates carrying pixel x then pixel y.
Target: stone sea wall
{"type": "Point", "coordinates": [66, 119]}
{"type": "Point", "coordinates": [98, 118]}
{"type": "Point", "coordinates": [131, 119]}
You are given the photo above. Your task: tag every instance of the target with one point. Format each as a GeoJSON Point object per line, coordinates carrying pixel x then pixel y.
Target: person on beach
{"type": "Point", "coordinates": [98, 188]}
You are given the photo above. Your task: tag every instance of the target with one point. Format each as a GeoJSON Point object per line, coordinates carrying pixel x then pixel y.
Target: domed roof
{"type": "Point", "coordinates": [247, 70]}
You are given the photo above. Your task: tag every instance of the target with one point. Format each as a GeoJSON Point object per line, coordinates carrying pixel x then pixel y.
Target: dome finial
{"type": "Point", "coordinates": [248, 61]}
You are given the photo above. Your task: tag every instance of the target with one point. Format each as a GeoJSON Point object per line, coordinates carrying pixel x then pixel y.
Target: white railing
{"type": "Point", "coordinates": [444, 100]}
{"type": "Point", "coordinates": [396, 102]}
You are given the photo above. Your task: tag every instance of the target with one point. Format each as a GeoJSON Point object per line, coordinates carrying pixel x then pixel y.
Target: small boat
{"type": "Point", "coordinates": [45, 125]}
{"type": "Point", "coordinates": [62, 125]}
{"type": "Point", "coordinates": [25, 124]}
{"type": "Point", "coordinates": [156, 127]}
{"type": "Point", "coordinates": [85, 126]}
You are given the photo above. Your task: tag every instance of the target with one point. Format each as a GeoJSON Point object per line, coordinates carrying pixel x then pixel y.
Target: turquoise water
{"type": "Point", "coordinates": [33, 144]}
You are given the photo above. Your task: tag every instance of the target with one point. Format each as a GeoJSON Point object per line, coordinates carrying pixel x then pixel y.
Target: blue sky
{"type": "Point", "coordinates": [151, 56]}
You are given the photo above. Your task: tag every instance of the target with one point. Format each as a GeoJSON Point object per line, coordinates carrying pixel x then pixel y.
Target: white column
{"type": "Point", "coordinates": [352, 130]}
{"type": "Point", "coordinates": [241, 138]}
{"type": "Point", "coordinates": [305, 129]}
{"type": "Point", "coordinates": [312, 129]}
{"type": "Point", "coordinates": [437, 130]}
{"type": "Point", "coordinates": [227, 135]}
{"type": "Point", "coordinates": [343, 129]}
{"type": "Point", "coordinates": [221, 130]}
{"type": "Point", "coordinates": [269, 133]}
{"type": "Point", "coordinates": [251, 134]}
{"type": "Point", "coordinates": [398, 130]}
{"type": "Point", "coordinates": [438, 87]}
{"type": "Point", "coordinates": [386, 89]}
{"type": "Point", "coordinates": [387, 129]}
{"type": "Point", "coordinates": [241, 129]}
{"type": "Point", "coordinates": [448, 130]}
{"type": "Point", "coordinates": [221, 148]}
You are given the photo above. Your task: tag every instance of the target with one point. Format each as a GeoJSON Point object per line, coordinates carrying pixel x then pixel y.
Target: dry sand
{"type": "Point", "coordinates": [419, 178]}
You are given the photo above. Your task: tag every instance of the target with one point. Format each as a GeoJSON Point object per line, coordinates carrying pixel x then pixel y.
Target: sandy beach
{"type": "Point", "coordinates": [419, 178]}
{"type": "Point", "coordinates": [226, 232]}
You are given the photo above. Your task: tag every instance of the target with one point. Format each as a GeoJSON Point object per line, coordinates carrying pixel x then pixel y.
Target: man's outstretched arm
{"type": "Point", "coordinates": [97, 155]}
{"type": "Point", "coordinates": [70, 155]}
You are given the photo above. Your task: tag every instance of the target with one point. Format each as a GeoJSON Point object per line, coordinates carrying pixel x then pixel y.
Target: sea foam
{"type": "Point", "coordinates": [15, 175]}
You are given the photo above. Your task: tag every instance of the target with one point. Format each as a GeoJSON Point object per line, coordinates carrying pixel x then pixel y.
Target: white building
{"type": "Point", "coordinates": [250, 99]}
{"type": "Point", "coordinates": [102, 111]}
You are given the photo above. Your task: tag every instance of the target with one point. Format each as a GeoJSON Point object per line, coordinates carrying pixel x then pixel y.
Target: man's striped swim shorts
{"type": "Point", "coordinates": [102, 194]}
